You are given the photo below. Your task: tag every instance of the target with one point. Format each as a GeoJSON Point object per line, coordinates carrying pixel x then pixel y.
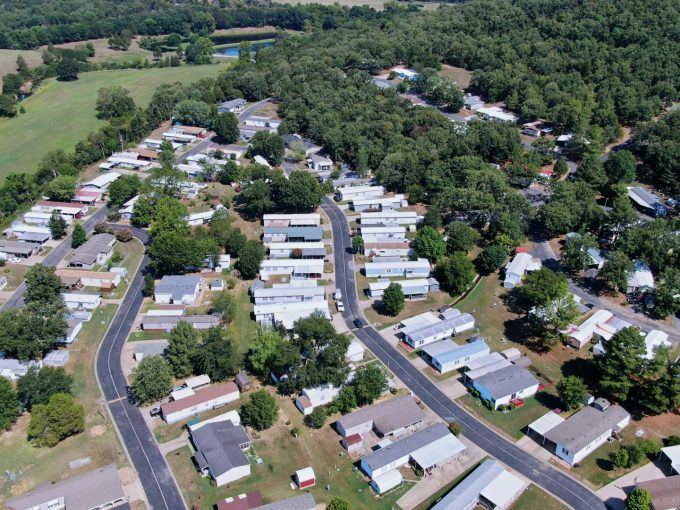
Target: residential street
{"type": "Point", "coordinates": [551, 479]}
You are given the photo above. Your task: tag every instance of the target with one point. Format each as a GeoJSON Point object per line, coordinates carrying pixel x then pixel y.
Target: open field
{"type": "Point", "coordinates": [60, 114]}
{"type": "Point", "coordinates": [99, 442]}
{"type": "Point", "coordinates": [283, 454]}
{"type": "Point", "coordinates": [14, 274]}
{"type": "Point", "coordinates": [534, 498]}
{"type": "Point", "coordinates": [457, 74]}
{"type": "Point", "coordinates": [131, 253]}
{"type": "Point", "coordinates": [8, 60]}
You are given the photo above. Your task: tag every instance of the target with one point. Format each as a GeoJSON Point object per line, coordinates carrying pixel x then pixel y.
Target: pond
{"type": "Point", "coordinates": [233, 51]}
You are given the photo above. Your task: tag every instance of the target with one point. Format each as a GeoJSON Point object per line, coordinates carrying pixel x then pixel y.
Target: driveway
{"type": "Point", "coordinates": [615, 493]}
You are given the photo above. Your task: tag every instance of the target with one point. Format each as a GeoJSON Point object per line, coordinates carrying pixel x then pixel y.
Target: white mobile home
{"type": "Point", "coordinates": [287, 313]}
{"type": "Point", "coordinates": [295, 268]}
{"type": "Point", "coordinates": [42, 219]}
{"type": "Point", "coordinates": [289, 293]}
{"type": "Point", "coordinates": [413, 289]}
{"type": "Point", "coordinates": [291, 220]}
{"type": "Point", "coordinates": [446, 355]}
{"type": "Point", "coordinates": [450, 322]}
{"type": "Point", "coordinates": [386, 218]}
{"type": "Point", "coordinates": [313, 250]}
{"type": "Point", "coordinates": [204, 400]}
{"type": "Point", "coordinates": [384, 233]}
{"type": "Point", "coordinates": [506, 384]}
{"type": "Point", "coordinates": [347, 193]}
{"type": "Point", "coordinates": [319, 163]}
{"type": "Point", "coordinates": [520, 264]}
{"type": "Point", "coordinates": [379, 248]}
{"type": "Point", "coordinates": [311, 398]}
{"type": "Point", "coordinates": [392, 268]}
{"type": "Point", "coordinates": [81, 300]}
{"type": "Point", "coordinates": [379, 204]}
{"type": "Point", "coordinates": [64, 208]}
{"type": "Point", "coordinates": [174, 289]}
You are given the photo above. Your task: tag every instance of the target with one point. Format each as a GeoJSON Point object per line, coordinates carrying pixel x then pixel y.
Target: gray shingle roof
{"type": "Point", "coordinates": [506, 381]}
{"type": "Point", "coordinates": [87, 253]}
{"type": "Point", "coordinates": [303, 502]}
{"type": "Point", "coordinates": [387, 416]}
{"type": "Point", "coordinates": [177, 286]}
{"type": "Point", "coordinates": [218, 446]}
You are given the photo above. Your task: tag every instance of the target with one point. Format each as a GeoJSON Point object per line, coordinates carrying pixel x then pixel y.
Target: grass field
{"type": "Point", "coordinates": [60, 114]}
{"type": "Point", "coordinates": [533, 498]}
{"type": "Point", "coordinates": [32, 466]}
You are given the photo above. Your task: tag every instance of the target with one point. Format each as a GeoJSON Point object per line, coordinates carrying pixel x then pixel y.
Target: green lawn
{"type": "Point", "coordinates": [60, 114]}
{"type": "Point", "coordinates": [140, 336]}
{"type": "Point", "coordinates": [534, 498]}
{"type": "Point", "coordinates": [33, 466]}
{"type": "Point", "coordinates": [243, 327]}
{"type": "Point", "coordinates": [131, 253]}
{"type": "Point", "coordinates": [14, 274]}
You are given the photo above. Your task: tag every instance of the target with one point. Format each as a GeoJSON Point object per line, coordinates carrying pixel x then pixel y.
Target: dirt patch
{"type": "Point", "coordinates": [659, 427]}
{"type": "Point", "coordinates": [97, 430]}
{"type": "Point", "coordinates": [461, 76]}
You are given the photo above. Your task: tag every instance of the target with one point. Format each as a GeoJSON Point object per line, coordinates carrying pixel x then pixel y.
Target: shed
{"type": "Point", "coordinates": [352, 443]}
{"type": "Point", "coordinates": [56, 358]}
{"type": "Point", "coordinates": [217, 284]}
{"type": "Point", "coordinates": [243, 382]}
{"type": "Point", "coordinates": [387, 481]}
{"type": "Point", "coordinates": [355, 352]}
{"type": "Point", "coordinates": [305, 478]}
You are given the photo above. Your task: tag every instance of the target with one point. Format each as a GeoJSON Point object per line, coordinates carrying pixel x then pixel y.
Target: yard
{"type": "Point", "coordinates": [533, 498]}
{"type": "Point", "coordinates": [32, 466]}
{"type": "Point", "coordinates": [14, 274]}
{"type": "Point", "coordinates": [433, 301]}
{"type": "Point", "coordinates": [282, 455]}
{"type": "Point", "coordinates": [243, 326]}
{"type": "Point", "coordinates": [131, 253]}
{"type": "Point", "coordinates": [60, 114]}
{"type": "Point", "coordinates": [457, 74]}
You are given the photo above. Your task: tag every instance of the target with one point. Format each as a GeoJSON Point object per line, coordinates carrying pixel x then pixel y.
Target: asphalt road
{"type": "Point", "coordinates": [552, 480]}
{"type": "Point", "coordinates": [154, 474]}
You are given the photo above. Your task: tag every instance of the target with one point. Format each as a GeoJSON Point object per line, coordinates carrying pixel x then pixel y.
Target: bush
{"type": "Point", "coordinates": [620, 458]}
{"type": "Point", "coordinates": [455, 428]}
{"type": "Point", "coordinates": [501, 408]}
{"type": "Point", "coordinates": [124, 235]}
{"type": "Point", "coordinates": [317, 418]}
{"type": "Point", "coordinates": [511, 406]}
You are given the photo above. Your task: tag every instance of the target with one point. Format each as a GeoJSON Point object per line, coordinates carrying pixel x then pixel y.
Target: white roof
{"type": "Point", "coordinates": [102, 180]}
{"type": "Point", "coordinates": [355, 347]}
{"type": "Point", "coordinates": [294, 218]}
{"type": "Point", "coordinates": [488, 368]}
{"type": "Point", "coordinates": [406, 264]}
{"type": "Point", "coordinates": [438, 451]}
{"type": "Point", "coordinates": [387, 214]}
{"type": "Point", "coordinates": [305, 474]}
{"type": "Point", "coordinates": [498, 113]}
{"type": "Point", "coordinates": [393, 229]}
{"type": "Point", "coordinates": [503, 489]}
{"type": "Point", "coordinates": [388, 480]}
{"type": "Point", "coordinates": [654, 339]}
{"type": "Point", "coordinates": [546, 422]}
{"type": "Point", "coordinates": [383, 283]}
{"type": "Point", "coordinates": [321, 395]}
{"type": "Point", "coordinates": [182, 393]}
{"type": "Point", "coordinates": [673, 453]}
{"type": "Point", "coordinates": [81, 297]}
{"type": "Point", "coordinates": [519, 264]}
{"type": "Point", "coordinates": [231, 416]}
{"type": "Point", "coordinates": [418, 321]}
{"type": "Point", "coordinates": [316, 264]}
{"type": "Point", "coordinates": [642, 276]}
{"type": "Point", "coordinates": [484, 361]}
{"type": "Point", "coordinates": [295, 306]}
{"type": "Point", "coordinates": [296, 245]}
{"type": "Point", "coordinates": [354, 190]}
{"type": "Point", "coordinates": [199, 380]}
{"type": "Point", "coordinates": [202, 215]}
{"type": "Point", "coordinates": [378, 201]}
{"type": "Point", "coordinates": [261, 161]}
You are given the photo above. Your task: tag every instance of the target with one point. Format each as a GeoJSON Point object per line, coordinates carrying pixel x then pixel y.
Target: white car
{"type": "Point", "coordinates": [341, 306]}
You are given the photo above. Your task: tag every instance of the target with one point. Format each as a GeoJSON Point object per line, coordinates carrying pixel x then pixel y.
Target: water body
{"type": "Point", "coordinates": [233, 51]}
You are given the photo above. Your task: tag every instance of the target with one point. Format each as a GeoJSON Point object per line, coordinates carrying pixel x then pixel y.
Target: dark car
{"type": "Point", "coordinates": [359, 323]}
{"type": "Point", "coordinates": [155, 411]}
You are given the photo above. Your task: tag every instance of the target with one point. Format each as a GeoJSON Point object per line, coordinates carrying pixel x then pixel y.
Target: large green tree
{"type": "Point", "coordinates": [572, 390]}
{"type": "Point", "coordinates": [151, 380]}
{"type": "Point", "coordinates": [429, 244]}
{"type": "Point", "coordinates": [42, 284]}
{"type": "Point", "coordinates": [393, 299]}
{"type": "Point", "coordinates": [226, 127]}
{"type": "Point", "coordinates": [114, 101]}
{"type": "Point", "coordinates": [182, 345]}
{"type": "Point", "coordinates": [621, 363]}
{"type": "Point", "coordinates": [217, 355]}
{"type": "Point", "coordinates": [369, 383]}
{"type": "Point", "coordinates": [9, 405]}
{"type": "Point", "coordinates": [616, 270]}
{"type": "Point", "coordinates": [268, 145]}
{"type": "Point", "coordinates": [249, 258]}
{"type": "Point", "coordinates": [62, 188]}
{"type": "Point", "coordinates": [60, 418]}
{"type": "Point", "coordinates": [39, 384]}
{"type": "Point", "coordinates": [261, 410]}
{"type": "Point", "coordinates": [123, 189]}
{"type": "Point", "coordinates": [456, 273]}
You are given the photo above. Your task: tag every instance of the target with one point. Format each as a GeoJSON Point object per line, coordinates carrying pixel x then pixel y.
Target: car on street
{"type": "Point", "coordinates": [359, 323]}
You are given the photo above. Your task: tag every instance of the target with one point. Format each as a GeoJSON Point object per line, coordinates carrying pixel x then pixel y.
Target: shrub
{"type": "Point", "coordinates": [317, 418]}
{"type": "Point", "coordinates": [455, 428]}
{"type": "Point", "coordinates": [501, 408]}
{"type": "Point", "coordinates": [124, 235]}
{"type": "Point", "coordinates": [620, 458]}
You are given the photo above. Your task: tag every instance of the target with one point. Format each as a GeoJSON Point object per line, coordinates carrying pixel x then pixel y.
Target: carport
{"type": "Point", "coordinates": [547, 422]}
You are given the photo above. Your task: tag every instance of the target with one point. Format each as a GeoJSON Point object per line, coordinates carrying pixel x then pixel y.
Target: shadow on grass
{"type": "Point", "coordinates": [548, 400]}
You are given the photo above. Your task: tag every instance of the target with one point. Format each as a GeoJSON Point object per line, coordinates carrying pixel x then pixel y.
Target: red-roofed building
{"type": "Point", "coordinates": [521, 249]}
{"type": "Point", "coordinates": [352, 442]}
{"type": "Point", "coordinates": [241, 502]}
{"type": "Point", "coordinates": [210, 398]}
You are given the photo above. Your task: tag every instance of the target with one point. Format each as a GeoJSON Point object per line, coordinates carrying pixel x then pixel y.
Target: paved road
{"type": "Point", "coordinates": [54, 257]}
{"type": "Point", "coordinates": [542, 474]}
{"type": "Point", "coordinates": [154, 474]}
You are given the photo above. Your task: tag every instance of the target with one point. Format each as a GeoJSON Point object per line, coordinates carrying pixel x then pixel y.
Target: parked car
{"type": "Point", "coordinates": [337, 294]}
{"type": "Point", "coordinates": [155, 411]}
{"type": "Point", "coordinates": [341, 306]}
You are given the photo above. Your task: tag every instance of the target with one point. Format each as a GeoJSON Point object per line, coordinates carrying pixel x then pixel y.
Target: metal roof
{"type": "Point", "coordinates": [581, 428]}
{"type": "Point", "coordinates": [547, 422]}
{"type": "Point", "coordinates": [506, 381]}
{"type": "Point", "coordinates": [451, 351]}
{"type": "Point", "coordinates": [303, 502]}
{"type": "Point", "coordinates": [451, 323]}
{"type": "Point", "coordinates": [387, 416]}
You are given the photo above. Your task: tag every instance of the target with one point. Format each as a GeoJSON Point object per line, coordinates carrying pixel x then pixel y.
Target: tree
{"type": "Point", "coordinates": [174, 253]}
{"type": "Point", "coordinates": [230, 172]}
{"type": "Point", "coordinates": [226, 127]}
{"type": "Point", "coordinates": [429, 244]}
{"type": "Point", "coordinates": [249, 259]}
{"type": "Point", "coordinates": [561, 168]}
{"type": "Point", "coordinates": [62, 188]}
{"type": "Point", "coordinates": [217, 355]}
{"type": "Point", "coordinates": [261, 411]}
{"type": "Point", "coordinates": [256, 198]}
{"type": "Point", "coordinates": [123, 189]}
{"type": "Point", "coordinates": [620, 458]}
{"type": "Point", "coordinates": [639, 499]}
{"type": "Point", "coordinates": [60, 418]}
{"type": "Point", "coordinates": [456, 273]}
{"type": "Point", "coordinates": [667, 293]}
{"type": "Point", "coordinates": [78, 236]}
{"type": "Point", "coordinates": [621, 216]}
{"type": "Point", "coordinates": [67, 69]}
{"type": "Point", "coordinates": [300, 192]}
{"type": "Point", "coordinates": [357, 244]}
{"type": "Point", "coordinates": [142, 211]}
{"type": "Point", "coordinates": [149, 285]}
{"type": "Point", "coordinates": [393, 299]}
{"type": "Point", "coordinates": [346, 400]}
{"type": "Point", "coordinates": [542, 287]}
{"type": "Point", "coordinates": [182, 345]}
{"type": "Point", "coordinates": [170, 215]}
{"type": "Point", "coordinates": [460, 237]}
{"type": "Point", "coordinates": [268, 145]}
{"type": "Point", "coordinates": [317, 418]}
{"type": "Point", "coordinates": [224, 305]}
{"type": "Point", "coordinates": [621, 363]}
{"type": "Point", "coordinates": [38, 385]}
{"type": "Point", "coordinates": [338, 504]}
{"type": "Point", "coordinates": [151, 380]}
{"type": "Point", "coordinates": [200, 52]}
{"type": "Point", "coordinates": [114, 102]}
{"type": "Point", "coordinates": [265, 344]}
{"type": "Point", "coordinates": [575, 255]}
{"type": "Point", "coordinates": [193, 113]}
{"type": "Point", "coordinates": [572, 390]}
{"type": "Point", "coordinates": [42, 285]}
{"type": "Point", "coordinates": [8, 106]}
{"type": "Point", "coordinates": [621, 166]}
{"type": "Point", "coordinates": [591, 171]}
{"type": "Point", "coordinates": [616, 270]}
{"type": "Point", "coordinates": [491, 258]}
{"type": "Point", "coordinates": [9, 405]}
{"type": "Point", "coordinates": [11, 84]}
{"type": "Point", "coordinates": [369, 383]}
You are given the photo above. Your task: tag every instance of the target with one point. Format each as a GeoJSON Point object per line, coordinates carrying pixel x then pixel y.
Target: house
{"type": "Point", "coordinates": [379, 204]}
{"type": "Point", "coordinates": [391, 417]}
{"type": "Point", "coordinates": [505, 385]}
{"type": "Point", "coordinates": [490, 363]}
{"type": "Point", "coordinates": [313, 250]}
{"type": "Point", "coordinates": [73, 328]}
{"type": "Point", "coordinates": [472, 102]}
{"type": "Point", "coordinates": [81, 300]}
{"type": "Point", "coordinates": [665, 492]}
{"type": "Point", "coordinates": [384, 233]}
{"type": "Point", "coordinates": [291, 220]}
{"type": "Point", "coordinates": [42, 219]}
{"type": "Point", "coordinates": [289, 293]}
{"type": "Point", "coordinates": [413, 289]}
{"type": "Point", "coordinates": [641, 279]}
{"type": "Point", "coordinates": [294, 268]}
{"type": "Point", "coordinates": [426, 449]}
{"type": "Point", "coordinates": [313, 397]}
{"type": "Point", "coordinates": [152, 348]}
{"type": "Point", "coordinates": [132, 160]}
{"type": "Point", "coordinates": [17, 229]}
{"type": "Point", "coordinates": [35, 238]}
{"type": "Point", "coordinates": [305, 478]}
{"type": "Point", "coordinates": [286, 314]}
{"type": "Point", "coordinates": [302, 502]}
{"type": "Point", "coordinates": [175, 136]}
{"type": "Point", "coordinates": [217, 285]}
{"type": "Point", "coordinates": [293, 141]}
{"type": "Point", "coordinates": [198, 131]}
{"type": "Point", "coordinates": [647, 202]}
{"type": "Point", "coordinates": [584, 431]}
{"type": "Point", "coordinates": [77, 277]}
{"type": "Point", "coordinates": [12, 369]}
{"type": "Point", "coordinates": [18, 249]}
{"type": "Point", "coordinates": [655, 339]}
{"type": "Point", "coordinates": [241, 502]}
{"type": "Point", "coordinates": [178, 289]}
{"type": "Point", "coordinates": [405, 74]}
{"type": "Point", "coordinates": [96, 251]}
{"type": "Point", "coordinates": [89, 197]}
{"type": "Point", "coordinates": [164, 323]}
{"type": "Point", "coordinates": [497, 113]}
{"type": "Point", "coordinates": [243, 382]}
{"type": "Point", "coordinates": [56, 358]}
{"type": "Point", "coordinates": [271, 123]}
{"type": "Point", "coordinates": [233, 152]}
{"type": "Point", "coordinates": [352, 443]}
{"type": "Point", "coordinates": [348, 193]}
{"type": "Point", "coordinates": [210, 398]}
{"type": "Point", "coordinates": [489, 486]}
{"type": "Point", "coordinates": [63, 208]}
{"type": "Point", "coordinates": [292, 234]}
{"type": "Point", "coordinates": [128, 207]}
{"type": "Point", "coordinates": [200, 217]}
{"type": "Point", "coordinates": [380, 248]}
{"type": "Point", "coordinates": [319, 163]}
{"type": "Point", "coordinates": [446, 355]}
{"type": "Point", "coordinates": [392, 267]}
{"type": "Point", "coordinates": [232, 106]}
{"type": "Point", "coordinates": [601, 325]}
{"type": "Point", "coordinates": [145, 154]}
{"type": "Point", "coordinates": [387, 218]}
{"type": "Point", "coordinates": [100, 488]}
{"type": "Point", "coordinates": [536, 129]}
{"type": "Point", "coordinates": [355, 352]}
{"type": "Point", "coordinates": [672, 455]}
{"type": "Point", "coordinates": [219, 451]}
{"type": "Point", "coordinates": [100, 183]}
{"type": "Point", "coordinates": [520, 264]}
{"type": "Point", "coordinates": [489, 359]}
{"type": "Point", "coordinates": [424, 330]}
